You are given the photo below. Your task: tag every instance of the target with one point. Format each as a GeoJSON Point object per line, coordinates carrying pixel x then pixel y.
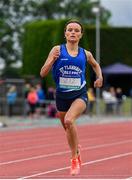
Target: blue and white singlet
{"type": "Point", "coordinates": [68, 71]}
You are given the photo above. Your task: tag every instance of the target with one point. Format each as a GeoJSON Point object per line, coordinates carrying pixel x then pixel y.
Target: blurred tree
{"type": "Point", "coordinates": [15, 13]}
{"type": "Point", "coordinates": [80, 9]}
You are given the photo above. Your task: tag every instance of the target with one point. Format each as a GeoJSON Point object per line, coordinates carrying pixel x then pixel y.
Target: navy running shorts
{"type": "Point", "coordinates": [65, 99]}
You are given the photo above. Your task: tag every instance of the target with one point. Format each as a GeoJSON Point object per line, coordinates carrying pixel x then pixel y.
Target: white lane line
{"type": "Point", "coordinates": [34, 139]}
{"type": "Point", "coordinates": [129, 178]}
{"type": "Point", "coordinates": [10, 142]}
{"type": "Point", "coordinates": [35, 157]}
{"type": "Point", "coordinates": [63, 152]}
{"type": "Point", "coordinates": [40, 146]}
{"type": "Point", "coordinates": [43, 139]}
{"type": "Point", "coordinates": [86, 163]}
{"type": "Point", "coordinates": [30, 148]}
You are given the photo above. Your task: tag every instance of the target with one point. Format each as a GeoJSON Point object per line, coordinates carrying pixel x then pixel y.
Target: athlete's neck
{"type": "Point", "coordinates": [72, 47]}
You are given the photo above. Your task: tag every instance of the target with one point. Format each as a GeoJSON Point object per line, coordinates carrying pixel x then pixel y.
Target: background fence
{"type": "Point", "coordinates": [19, 107]}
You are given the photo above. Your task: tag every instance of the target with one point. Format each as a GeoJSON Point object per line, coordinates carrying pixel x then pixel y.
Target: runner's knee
{"type": "Point", "coordinates": [68, 122]}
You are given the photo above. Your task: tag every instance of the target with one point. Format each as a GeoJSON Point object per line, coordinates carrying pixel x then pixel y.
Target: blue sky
{"type": "Point", "coordinates": [121, 11]}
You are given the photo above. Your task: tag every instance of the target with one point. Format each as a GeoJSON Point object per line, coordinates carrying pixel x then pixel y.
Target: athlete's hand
{"type": "Point", "coordinates": [55, 52]}
{"type": "Point", "coordinates": [98, 83]}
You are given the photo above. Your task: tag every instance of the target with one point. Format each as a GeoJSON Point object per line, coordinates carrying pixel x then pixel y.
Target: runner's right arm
{"type": "Point", "coordinates": [53, 55]}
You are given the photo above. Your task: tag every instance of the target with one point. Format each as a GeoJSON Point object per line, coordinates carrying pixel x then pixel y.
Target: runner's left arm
{"type": "Point", "coordinates": [96, 67]}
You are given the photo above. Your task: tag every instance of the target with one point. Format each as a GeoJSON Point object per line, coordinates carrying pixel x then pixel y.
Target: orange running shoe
{"type": "Point", "coordinates": [79, 155]}
{"type": "Point", "coordinates": [75, 167]}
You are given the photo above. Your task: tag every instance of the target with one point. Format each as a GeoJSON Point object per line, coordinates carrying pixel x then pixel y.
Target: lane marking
{"type": "Point", "coordinates": [21, 141]}
{"type": "Point", "coordinates": [31, 147]}
{"type": "Point", "coordinates": [129, 178]}
{"type": "Point", "coordinates": [83, 164]}
{"type": "Point", "coordinates": [41, 146]}
{"type": "Point", "coordinates": [43, 137]}
{"type": "Point", "coordinates": [64, 152]}
{"type": "Point", "coordinates": [39, 134]}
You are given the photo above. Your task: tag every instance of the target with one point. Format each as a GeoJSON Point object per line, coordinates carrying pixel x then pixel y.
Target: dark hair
{"type": "Point", "coordinates": [74, 21]}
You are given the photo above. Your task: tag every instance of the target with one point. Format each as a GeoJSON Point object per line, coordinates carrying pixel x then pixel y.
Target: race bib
{"type": "Point", "coordinates": [70, 83]}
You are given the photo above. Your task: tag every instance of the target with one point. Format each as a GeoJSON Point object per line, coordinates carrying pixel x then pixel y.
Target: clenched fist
{"type": "Point", "coordinates": [55, 52]}
{"type": "Point", "coordinates": [98, 83]}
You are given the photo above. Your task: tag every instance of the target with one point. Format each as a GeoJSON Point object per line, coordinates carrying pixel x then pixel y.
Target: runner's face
{"type": "Point", "coordinates": [73, 32]}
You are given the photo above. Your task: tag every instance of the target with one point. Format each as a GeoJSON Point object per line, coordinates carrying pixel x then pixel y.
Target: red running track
{"type": "Point", "coordinates": [44, 153]}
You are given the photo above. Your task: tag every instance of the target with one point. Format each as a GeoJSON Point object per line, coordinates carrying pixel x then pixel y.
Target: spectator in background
{"type": "Point", "coordinates": [51, 93]}
{"type": "Point", "coordinates": [41, 94]}
{"type": "Point", "coordinates": [51, 109]}
{"type": "Point", "coordinates": [119, 97]}
{"type": "Point", "coordinates": [113, 99]}
{"type": "Point", "coordinates": [91, 102]}
{"type": "Point", "coordinates": [109, 98]}
{"type": "Point", "coordinates": [41, 99]}
{"type": "Point", "coordinates": [32, 100]}
{"type": "Point", "coordinates": [11, 99]}
{"type": "Point", "coordinates": [27, 88]}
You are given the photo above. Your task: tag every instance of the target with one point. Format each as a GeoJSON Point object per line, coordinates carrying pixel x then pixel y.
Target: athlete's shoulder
{"type": "Point", "coordinates": [88, 53]}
